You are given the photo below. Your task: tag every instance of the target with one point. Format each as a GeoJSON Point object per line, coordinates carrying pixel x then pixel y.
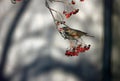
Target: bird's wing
{"type": "Point", "coordinates": [79, 32]}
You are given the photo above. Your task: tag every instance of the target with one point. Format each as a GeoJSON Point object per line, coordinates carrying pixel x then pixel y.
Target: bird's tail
{"type": "Point", "coordinates": [89, 35]}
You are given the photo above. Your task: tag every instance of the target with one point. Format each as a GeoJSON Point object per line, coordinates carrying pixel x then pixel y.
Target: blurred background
{"type": "Point", "coordinates": [34, 50]}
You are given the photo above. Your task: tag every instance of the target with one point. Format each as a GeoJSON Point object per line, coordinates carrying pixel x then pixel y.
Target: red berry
{"type": "Point", "coordinates": [79, 46]}
{"type": "Point", "coordinates": [68, 15]}
{"type": "Point", "coordinates": [88, 47]}
{"type": "Point", "coordinates": [85, 47]}
{"type": "Point", "coordinates": [70, 53]}
{"type": "Point", "coordinates": [71, 13]}
{"type": "Point", "coordinates": [80, 50]}
{"type": "Point", "coordinates": [73, 2]}
{"type": "Point", "coordinates": [74, 53]}
{"type": "Point", "coordinates": [75, 11]}
{"type": "Point", "coordinates": [83, 50]}
{"type": "Point", "coordinates": [64, 12]}
{"type": "Point", "coordinates": [57, 23]}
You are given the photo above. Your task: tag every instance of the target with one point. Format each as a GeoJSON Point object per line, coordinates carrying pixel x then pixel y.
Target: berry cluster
{"type": "Point", "coordinates": [76, 50]}
{"type": "Point", "coordinates": [71, 53]}
{"type": "Point", "coordinates": [73, 11]}
{"type": "Point", "coordinates": [68, 14]}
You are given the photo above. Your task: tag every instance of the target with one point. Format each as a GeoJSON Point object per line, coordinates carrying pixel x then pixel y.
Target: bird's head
{"type": "Point", "coordinates": [59, 22]}
{"type": "Point", "coordinates": [63, 29]}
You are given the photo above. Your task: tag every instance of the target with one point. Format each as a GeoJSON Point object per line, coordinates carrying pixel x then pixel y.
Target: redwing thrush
{"type": "Point", "coordinates": [72, 34]}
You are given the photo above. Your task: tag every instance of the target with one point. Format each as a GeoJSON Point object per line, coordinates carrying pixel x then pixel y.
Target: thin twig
{"type": "Point", "coordinates": [65, 3]}
{"type": "Point", "coordinates": [50, 9]}
{"type": "Point", "coordinates": [46, 3]}
{"type": "Point", "coordinates": [58, 13]}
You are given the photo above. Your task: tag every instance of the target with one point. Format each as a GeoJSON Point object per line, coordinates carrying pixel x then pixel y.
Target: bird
{"type": "Point", "coordinates": [72, 34]}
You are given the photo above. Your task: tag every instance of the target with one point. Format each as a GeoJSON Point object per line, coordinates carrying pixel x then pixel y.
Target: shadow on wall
{"type": "Point", "coordinates": [84, 71]}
